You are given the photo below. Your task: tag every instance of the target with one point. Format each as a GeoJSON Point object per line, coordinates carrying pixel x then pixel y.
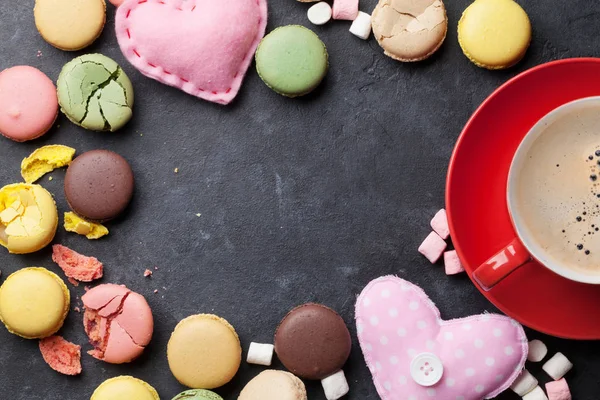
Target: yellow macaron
{"type": "Point", "coordinates": [125, 388]}
{"type": "Point", "coordinates": [494, 34]}
{"type": "Point", "coordinates": [70, 24]}
{"type": "Point", "coordinates": [34, 303]}
{"type": "Point", "coordinates": [28, 218]}
{"type": "Point", "coordinates": [204, 352]}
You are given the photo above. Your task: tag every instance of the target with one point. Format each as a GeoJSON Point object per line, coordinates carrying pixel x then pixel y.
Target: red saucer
{"type": "Point", "coordinates": [476, 197]}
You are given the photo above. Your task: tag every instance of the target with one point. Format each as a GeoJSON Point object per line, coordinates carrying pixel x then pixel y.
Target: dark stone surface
{"type": "Point", "coordinates": [301, 200]}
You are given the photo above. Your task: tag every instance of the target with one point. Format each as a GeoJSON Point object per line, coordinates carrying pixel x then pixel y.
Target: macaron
{"type": "Point", "coordinates": [34, 303]}
{"type": "Point", "coordinates": [494, 34]}
{"type": "Point", "coordinates": [204, 352]}
{"type": "Point", "coordinates": [70, 24]}
{"type": "Point", "coordinates": [274, 385]}
{"type": "Point", "coordinates": [410, 30]}
{"type": "Point", "coordinates": [99, 185]}
{"type": "Point", "coordinates": [313, 342]}
{"type": "Point", "coordinates": [28, 103]}
{"type": "Point", "coordinates": [125, 388]}
{"type": "Point", "coordinates": [197, 394]}
{"type": "Point", "coordinates": [292, 60]}
{"type": "Point", "coordinates": [44, 160]}
{"type": "Point", "coordinates": [95, 93]}
{"type": "Point", "coordinates": [118, 322]}
{"type": "Point", "coordinates": [28, 218]}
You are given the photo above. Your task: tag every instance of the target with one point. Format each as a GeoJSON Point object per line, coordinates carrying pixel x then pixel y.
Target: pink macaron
{"type": "Point", "coordinates": [28, 103]}
{"type": "Point", "coordinates": [118, 323]}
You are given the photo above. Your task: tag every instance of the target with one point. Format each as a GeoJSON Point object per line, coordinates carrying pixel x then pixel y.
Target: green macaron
{"type": "Point", "coordinates": [95, 93]}
{"type": "Point", "coordinates": [197, 394]}
{"type": "Point", "coordinates": [292, 60]}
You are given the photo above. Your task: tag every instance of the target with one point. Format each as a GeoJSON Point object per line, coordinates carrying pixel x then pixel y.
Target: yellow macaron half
{"type": "Point", "coordinates": [494, 34]}
{"type": "Point", "coordinates": [34, 303]}
{"type": "Point", "coordinates": [125, 388]}
{"type": "Point", "coordinates": [204, 352]}
{"type": "Point", "coordinates": [70, 24]}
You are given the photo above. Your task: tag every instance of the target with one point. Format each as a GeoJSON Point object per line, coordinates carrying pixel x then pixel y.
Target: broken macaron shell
{"type": "Point", "coordinates": [75, 265]}
{"type": "Point", "coordinates": [28, 218]}
{"type": "Point", "coordinates": [61, 355]}
{"type": "Point", "coordinates": [95, 93]}
{"type": "Point", "coordinates": [118, 322]}
{"type": "Point", "coordinates": [44, 160]}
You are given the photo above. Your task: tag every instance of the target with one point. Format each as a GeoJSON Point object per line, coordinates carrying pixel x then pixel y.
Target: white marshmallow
{"type": "Point", "coordinates": [261, 354]}
{"type": "Point", "coordinates": [320, 13]}
{"type": "Point", "coordinates": [524, 384]}
{"type": "Point", "coordinates": [361, 27]}
{"type": "Point", "coordinates": [557, 366]}
{"type": "Point", "coordinates": [335, 386]}
{"type": "Point", "coordinates": [536, 394]}
{"type": "Point", "coordinates": [537, 351]}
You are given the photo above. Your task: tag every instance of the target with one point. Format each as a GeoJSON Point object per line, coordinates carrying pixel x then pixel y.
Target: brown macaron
{"type": "Point", "coordinates": [99, 185]}
{"type": "Point", "coordinates": [313, 342]}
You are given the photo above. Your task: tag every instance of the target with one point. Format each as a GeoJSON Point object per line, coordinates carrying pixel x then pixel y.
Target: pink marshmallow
{"type": "Point", "coordinates": [558, 390]}
{"type": "Point", "coordinates": [439, 223]}
{"type": "Point", "coordinates": [432, 247]}
{"type": "Point", "coordinates": [452, 263]}
{"type": "Point", "coordinates": [345, 9]}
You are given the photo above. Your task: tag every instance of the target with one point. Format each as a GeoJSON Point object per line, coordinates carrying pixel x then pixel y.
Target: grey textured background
{"type": "Point", "coordinates": [301, 200]}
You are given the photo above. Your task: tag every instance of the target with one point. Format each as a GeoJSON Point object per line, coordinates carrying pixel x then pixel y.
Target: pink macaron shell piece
{"type": "Point", "coordinates": [203, 47]}
{"type": "Point", "coordinates": [120, 347]}
{"type": "Point", "coordinates": [28, 103]}
{"type": "Point", "coordinates": [116, 3]}
{"type": "Point", "coordinates": [102, 295]}
{"type": "Point", "coordinates": [345, 9]}
{"type": "Point", "coordinates": [136, 319]}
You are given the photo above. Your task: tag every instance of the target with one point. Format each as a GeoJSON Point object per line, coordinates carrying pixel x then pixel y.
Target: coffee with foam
{"type": "Point", "coordinates": [557, 190]}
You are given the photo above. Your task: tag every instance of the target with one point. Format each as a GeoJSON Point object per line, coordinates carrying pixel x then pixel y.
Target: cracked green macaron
{"type": "Point", "coordinates": [95, 93]}
{"type": "Point", "coordinates": [197, 394]}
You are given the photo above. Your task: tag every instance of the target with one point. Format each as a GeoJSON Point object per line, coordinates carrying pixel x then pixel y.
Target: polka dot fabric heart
{"type": "Point", "coordinates": [398, 324]}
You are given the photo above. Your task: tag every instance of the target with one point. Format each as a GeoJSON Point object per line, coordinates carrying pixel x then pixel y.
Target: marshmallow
{"type": "Point", "coordinates": [536, 394]}
{"type": "Point", "coordinates": [439, 223]}
{"type": "Point", "coordinates": [452, 263]}
{"type": "Point", "coordinates": [335, 386]}
{"type": "Point", "coordinates": [320, 13]}
{"type": "Point", "coordinates": [345, 9]}
{"type": "Point", "coordinates": [432, 247]}
{"type": "Point", "coordinates": [524, 384]}
{"type": "Point", "coordinates": [558, 390]}
{"type": "Point", "coordinates": [557, 366]}
{"type": "Point", "coordinates": [361, 27]}
{"type": "Point", "coordinates": [537, 351]}
{"type": "Point", "coordinates": [261, 354]}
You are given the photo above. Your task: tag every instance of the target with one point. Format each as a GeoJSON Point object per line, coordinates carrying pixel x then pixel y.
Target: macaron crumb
{"type": "Point", "coordinates": [155, 291]}
{"type": "Point", "coordinates": [77, 309]}
{"type": "Point", "coordinates": [77, 266]}
{"type": "Point", "coordinates": [147, 273]}
{"type": "Point", "coordinates": [176, 170]}
{"type": "Point", "coordinates": [61, 355]}
{"type": "Point", "coordinates": [73, 282]}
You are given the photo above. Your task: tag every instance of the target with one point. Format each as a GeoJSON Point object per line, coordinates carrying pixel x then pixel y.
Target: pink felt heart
{"type": "Point", "coordinates": [481, 355]}
{"type": "Point", "coordinates": [203, 47]}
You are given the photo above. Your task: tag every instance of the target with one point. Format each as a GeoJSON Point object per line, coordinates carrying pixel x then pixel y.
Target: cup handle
{"type": "Point", "coordinates": [506, 261]}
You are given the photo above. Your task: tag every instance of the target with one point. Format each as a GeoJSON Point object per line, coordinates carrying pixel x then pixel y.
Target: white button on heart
{"type": "Point", "coordinates": [426, 369]}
